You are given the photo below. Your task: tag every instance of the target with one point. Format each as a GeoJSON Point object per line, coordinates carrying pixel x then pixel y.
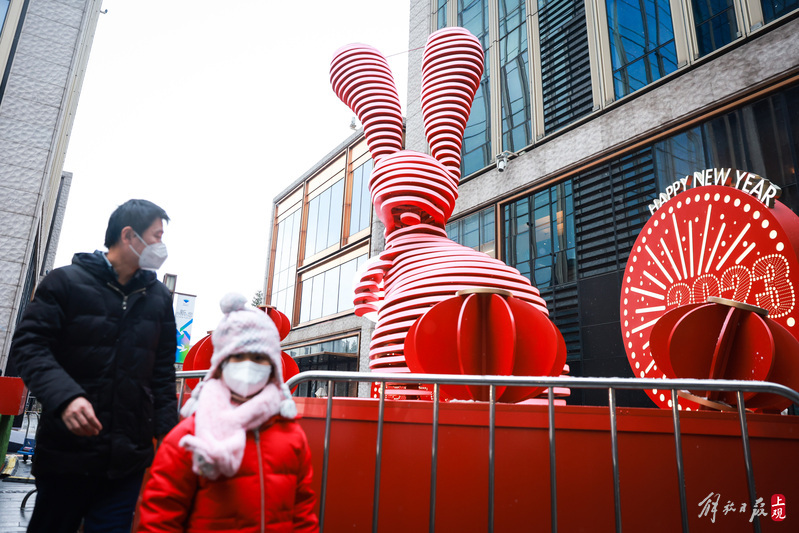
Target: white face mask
{"type": "Point", "coordinates": [245, 378]}
{"type": "Point", "coordinates": [153, 255]}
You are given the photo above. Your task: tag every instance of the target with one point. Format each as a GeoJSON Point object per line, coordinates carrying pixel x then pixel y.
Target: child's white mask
{"type": "Point", "coordinates": [245, 378]}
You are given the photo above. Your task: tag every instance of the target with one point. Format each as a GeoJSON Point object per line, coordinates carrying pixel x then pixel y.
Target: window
{"type": "Point", "coordinates": [513, 64]}
{"type": "Point", "coordinates": [324, 219]}
{"type": "Point", "coordinates": [285, 271]}
{"type": "Point", "coordinates": [678, 156]}
{"type": "Point", "coordinates": [475, 231]}
{"type": "Point", "coordinates": [774, 9]}
{"type": "Point", "coordinates": [540, 238]}
{"type": "Point", "coordinates": [441, 14]}
{"type": "Point", "coordinates": [565, 65]}
{"type": "Point", "coordinates": [715, 24]}
{"type": "Point", "coordinates": [360, 215]}
{"type": "Point", "coordinates": [329, 292]}
{"type": "Point", "coordinates": [337, 355]}
{"type": "Point", "coordinates": [641, 42]}
{"type": "Point", "coordinates": [476, 152]}
{"type": "Point", "coordinates": [3, 11]}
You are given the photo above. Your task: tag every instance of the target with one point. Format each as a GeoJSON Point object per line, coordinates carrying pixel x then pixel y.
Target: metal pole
{"type": "Point", "coordinates": [675, 412]}
{"type": "Point", "coordinates": [181, 393]}
{"type": "Point", "coordinates": [434, 460]}
{"type": "Point", "coordinates": [491, 423]}
{"type": "Point", "coordinates": [553, 475]}
{"type": "Point", "coordinates": [326, 457]}
{"type": "Point", "coordinates": [378, 456]}
{"type": "Point", "coordinates": [750, 476]}
{"type": "Point", "coordinates": [614, 443]}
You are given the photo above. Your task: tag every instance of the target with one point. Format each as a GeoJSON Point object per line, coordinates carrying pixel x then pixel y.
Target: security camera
{"type": "Point", "coordinates": [502, 160]}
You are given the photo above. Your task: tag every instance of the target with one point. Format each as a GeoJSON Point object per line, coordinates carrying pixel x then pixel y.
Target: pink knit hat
{"type": "Point", "coordinates": [244, 329]}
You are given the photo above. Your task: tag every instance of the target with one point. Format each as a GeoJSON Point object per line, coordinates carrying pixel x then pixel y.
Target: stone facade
{"type": "Point", "coordinates": [48, 43]}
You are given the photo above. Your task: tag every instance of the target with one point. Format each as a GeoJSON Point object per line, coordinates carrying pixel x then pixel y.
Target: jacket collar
{"type": "Point", "coordinates": [98, 265]}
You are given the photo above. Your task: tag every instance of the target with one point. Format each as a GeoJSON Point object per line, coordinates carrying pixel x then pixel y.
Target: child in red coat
{"type": "Point", "coordinates": [239, 462]}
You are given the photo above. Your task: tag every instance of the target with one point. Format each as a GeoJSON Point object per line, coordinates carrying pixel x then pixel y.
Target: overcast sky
{"type": "Point", "coordinates": [210, 109]}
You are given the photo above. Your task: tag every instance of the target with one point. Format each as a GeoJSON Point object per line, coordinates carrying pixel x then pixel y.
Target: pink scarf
{"type": "Point", "coordinates": [220, 427]}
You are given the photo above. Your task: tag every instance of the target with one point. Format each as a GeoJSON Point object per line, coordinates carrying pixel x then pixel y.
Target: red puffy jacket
{"type": "Point", "coordinates": [270, 492]}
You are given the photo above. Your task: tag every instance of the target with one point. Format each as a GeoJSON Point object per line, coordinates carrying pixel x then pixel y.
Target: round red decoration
{"type": "Point", "coordinates": [707, 241]}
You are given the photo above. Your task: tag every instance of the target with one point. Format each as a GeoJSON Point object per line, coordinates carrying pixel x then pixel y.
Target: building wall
{"type": "Point", "coordinates": [293, 281]}
{"type": "Point", "coordinates": [46, 45]}
{"type": "Point", "coordinates": [608, 153]}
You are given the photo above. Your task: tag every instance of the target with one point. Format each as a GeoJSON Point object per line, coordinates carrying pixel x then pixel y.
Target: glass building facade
{"type": "Point", "coordinates": [320, 239]}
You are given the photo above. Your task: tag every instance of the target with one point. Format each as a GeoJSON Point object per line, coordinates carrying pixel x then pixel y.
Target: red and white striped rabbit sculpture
{"type": "Point", "coordinates": [414, 195]}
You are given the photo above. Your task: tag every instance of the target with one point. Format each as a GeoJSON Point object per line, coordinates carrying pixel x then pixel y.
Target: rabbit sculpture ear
{"type": "Point", "coordinates": [362, 79]}
{"type": "Point", "coordinates": [451, 69]}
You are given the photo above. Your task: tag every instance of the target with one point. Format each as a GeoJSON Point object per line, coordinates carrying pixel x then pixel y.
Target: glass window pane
{"type": "Point", "coordinates": [514, 75]}
{"type": "Point", "coordinates": [453, 231]}
{"type": "Point", "coordinates": [305, 302]}
{"type": "Point", "coordinates": [345, 294]}
{"type": "Point", "coordinates": [441, 14]}
{"type": "Point", "coordinates": [715, 24]}
{"type": "Point", "coordinates": [324, 221]}
{"type": "Point", "coordinates": [3, 11]}
{"type": "Point", "coordinates": [357, 191]}
{"type": "Point", "coordinates": [476, 154]}
{"type": "Point", "coordinates": [471, 231]}
{"type": "Point", "coordinates": [641, 41]}
{"type": "Point", "coordinates": [313, 222]}
{"type": "Point", "coordinates": [330, 301]}
{"type": "Point", "coordinates": [318, 285]}
{"type": "Point", "coordinates": [336, 210]}
{"type": "Point", "coordinates": [285, 263]}
{"type": "Point", "coordinates": [774, 9]}
{"type": "Point", "coordinates": [366, 200]}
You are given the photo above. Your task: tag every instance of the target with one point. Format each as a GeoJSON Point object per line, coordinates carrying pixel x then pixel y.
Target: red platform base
{"type": "Point", "coordinates": [711, 443]}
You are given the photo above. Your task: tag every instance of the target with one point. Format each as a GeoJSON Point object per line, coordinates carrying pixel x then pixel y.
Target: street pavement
{"type": "Point", "coordinates": [15, 486]}
{"type": "Point", "coordinates": [13, 490]}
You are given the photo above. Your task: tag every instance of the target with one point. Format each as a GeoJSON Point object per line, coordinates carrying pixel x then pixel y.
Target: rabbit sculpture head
{"type": "Point", "coordinates": [407, 187]}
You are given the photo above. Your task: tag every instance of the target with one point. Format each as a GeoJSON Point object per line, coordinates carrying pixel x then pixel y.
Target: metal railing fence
{"type": "Point", "coordinates": [611, 384]}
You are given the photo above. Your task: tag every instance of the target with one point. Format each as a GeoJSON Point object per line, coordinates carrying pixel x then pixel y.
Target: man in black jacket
{"type": "Point", "coordinates": [96, 346]}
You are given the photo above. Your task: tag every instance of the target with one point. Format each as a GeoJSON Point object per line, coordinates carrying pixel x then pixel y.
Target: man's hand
{"type": "Point", "coordinates": [80, 419]}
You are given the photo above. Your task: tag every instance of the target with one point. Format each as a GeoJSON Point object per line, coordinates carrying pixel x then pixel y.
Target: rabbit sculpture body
{"type": "Point", "coordinates": [414, 193]}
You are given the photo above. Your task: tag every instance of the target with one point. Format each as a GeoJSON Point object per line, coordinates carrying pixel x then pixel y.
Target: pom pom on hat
{"type": "Point", "coordinates": [245, 330]}
{"type": "Point", "coordinates": [233, 301]}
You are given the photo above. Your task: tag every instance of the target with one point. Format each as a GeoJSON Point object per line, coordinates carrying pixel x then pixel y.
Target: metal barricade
{"type": "Point", "coordinates": [611, 384]}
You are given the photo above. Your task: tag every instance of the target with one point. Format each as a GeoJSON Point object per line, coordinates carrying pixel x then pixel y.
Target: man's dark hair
{"type": "Point", "coordinates": [138, 214]}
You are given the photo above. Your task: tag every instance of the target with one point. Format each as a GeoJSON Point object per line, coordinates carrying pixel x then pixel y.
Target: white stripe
{"type": "Point", "coordinates": [740, 236]}
{"type": "Point", "coordinates": [704, 238]}
{"type": "Point", "coordinates": [654, 280]}
{"type": "Point", "coordinates": [715, 247]}
{"type": "Point", "coordinates": [691, 245]}
{"type": "Point", "coordinates": [644, 326]}
{"type": "Point", "coordinates": [648, 293]}
{"type": "Point", "coordinates": [744, 254]}
{"type": "Point", "coordinates": [651, 309]}
{"type": "Point", "coordinates": [655, 259]}
{"type": "Point", "coordinates": [671, 259]}
{"type": "Point", "coordinates": [679, 244]}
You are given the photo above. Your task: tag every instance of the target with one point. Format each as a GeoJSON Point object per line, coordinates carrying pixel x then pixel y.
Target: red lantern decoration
{"type": "Point", "coordinates": [283, 325]}
{"type": "Point", "coordinates": [485, 332]}
{"type": "Point", "coordinates": [725, 339]}
{"type": "Point", "coordinates": [199, 355]}
{"type": "Point", "coordinates": [198, 358]}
